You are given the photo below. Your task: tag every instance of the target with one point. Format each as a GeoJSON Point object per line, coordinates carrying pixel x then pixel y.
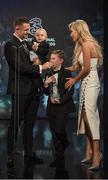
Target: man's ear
{"type": "Point", "coordinates": [17, 28]}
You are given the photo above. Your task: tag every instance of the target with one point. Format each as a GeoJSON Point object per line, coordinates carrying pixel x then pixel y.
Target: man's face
{"type": "Point", "coordinates": [56, 60]}
{"type": "Point", "coordinates": [23, 30]}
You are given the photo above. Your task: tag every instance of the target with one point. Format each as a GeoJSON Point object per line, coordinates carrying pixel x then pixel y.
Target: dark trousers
{"type": "Point", "coordinates": [57, 117]}
{"type": "Point", "coordinates": [60, 144]}
{"type": "Point", "coordinates": [24, 108]}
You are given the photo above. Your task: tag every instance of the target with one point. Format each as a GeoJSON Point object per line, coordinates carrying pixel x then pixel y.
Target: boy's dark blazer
{"type": "Point", "coordinates": [65, 94]}
{"type": "Point", "coordinates": [66, 102]}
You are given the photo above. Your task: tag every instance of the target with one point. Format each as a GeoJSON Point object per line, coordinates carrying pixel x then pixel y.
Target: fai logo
{"type": "Point", "coordinates": [35, 23]}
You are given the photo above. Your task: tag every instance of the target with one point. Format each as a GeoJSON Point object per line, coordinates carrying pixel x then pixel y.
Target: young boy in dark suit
{"type": "Point", "coordinates": [60, 103]}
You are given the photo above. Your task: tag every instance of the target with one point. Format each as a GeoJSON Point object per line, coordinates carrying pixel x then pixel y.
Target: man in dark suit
{"type": "Point", "coordinates": [60, 103]}
{"type": "Point", "coordinates": [23, 90]}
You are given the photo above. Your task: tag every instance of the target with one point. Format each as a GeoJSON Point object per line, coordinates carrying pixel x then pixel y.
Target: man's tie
{"type": "Point", "coordinates": [25, 46]}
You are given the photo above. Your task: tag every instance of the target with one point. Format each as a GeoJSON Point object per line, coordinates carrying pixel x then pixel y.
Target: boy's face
{"type": "Point", "coordinates": [41, 35]}
{"type": "Point", "coordinates": [56, 60]}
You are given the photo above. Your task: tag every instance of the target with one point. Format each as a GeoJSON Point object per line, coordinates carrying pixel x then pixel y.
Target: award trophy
{"type": "Point", "coordinates": [54, 92]}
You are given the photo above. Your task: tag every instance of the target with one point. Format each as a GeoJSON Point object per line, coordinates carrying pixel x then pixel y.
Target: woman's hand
{"type": "Point", "coordinates": [69, 83]}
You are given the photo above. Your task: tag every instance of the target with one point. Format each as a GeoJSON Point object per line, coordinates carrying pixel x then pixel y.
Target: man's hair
{"type": "Point", "coordinates": [60, 53]}
{"type": "Point", "coordinates": [20, 21]}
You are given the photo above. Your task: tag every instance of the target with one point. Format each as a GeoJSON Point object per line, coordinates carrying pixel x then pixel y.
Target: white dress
{"type": "Point", "coordinates": [89, 91]}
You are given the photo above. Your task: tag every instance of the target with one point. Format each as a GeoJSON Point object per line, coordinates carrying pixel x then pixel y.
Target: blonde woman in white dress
{"type": "Point", "coordinates": [87, 57]}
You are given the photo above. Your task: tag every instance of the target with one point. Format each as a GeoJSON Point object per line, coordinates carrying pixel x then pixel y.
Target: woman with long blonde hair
{"type": "Point", "coordinates": [87, 58]}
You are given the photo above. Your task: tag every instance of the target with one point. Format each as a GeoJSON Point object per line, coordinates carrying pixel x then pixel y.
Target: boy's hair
{"type": "Point", "coordinates": [20, 20]}
{"type": "Point", "coordinates": [60, 53]}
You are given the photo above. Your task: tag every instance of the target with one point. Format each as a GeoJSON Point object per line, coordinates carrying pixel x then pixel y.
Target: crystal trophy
{"type": "Point", "coordinates": [54, 93]}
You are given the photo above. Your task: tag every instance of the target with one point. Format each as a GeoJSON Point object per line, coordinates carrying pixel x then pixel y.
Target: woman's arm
{"type": "Point", "coordinates": [86, 62]}
{"type": "Point", "coordinates": [86, 66]}
{"type": "Point", "coordinates": [73, 68]}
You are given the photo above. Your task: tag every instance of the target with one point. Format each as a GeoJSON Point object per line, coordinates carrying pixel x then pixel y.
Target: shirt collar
{"type": "Point", "coordinates": [58, 69]}
{"type": "Point", "coordinates": [18, 37]}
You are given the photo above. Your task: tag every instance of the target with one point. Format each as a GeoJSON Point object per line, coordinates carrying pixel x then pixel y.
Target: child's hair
{"type": "Point", "coordinates": [41, 29]}
{"type": "Point", "coordinates": [60, 54]}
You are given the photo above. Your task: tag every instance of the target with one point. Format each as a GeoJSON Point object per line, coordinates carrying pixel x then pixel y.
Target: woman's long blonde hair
{"type": "Point", "coordinates": [82, 28]}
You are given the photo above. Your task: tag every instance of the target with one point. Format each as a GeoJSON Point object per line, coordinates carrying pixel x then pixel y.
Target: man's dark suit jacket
{"type": "Point", "coordinates": [21, 72]}
{"type": "Point", "coordinates": [66, 102]}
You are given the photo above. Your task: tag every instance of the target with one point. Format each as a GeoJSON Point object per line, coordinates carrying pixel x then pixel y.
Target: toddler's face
{"type": "Point", "coordinates": [41, 35]}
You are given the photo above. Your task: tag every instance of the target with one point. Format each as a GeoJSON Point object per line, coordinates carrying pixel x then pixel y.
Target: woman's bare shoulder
{"type": "Point", "coordinates": [87, 44]}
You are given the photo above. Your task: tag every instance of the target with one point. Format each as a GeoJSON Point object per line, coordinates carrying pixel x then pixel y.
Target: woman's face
{"type": "Point", "coordinates": [74, 34]}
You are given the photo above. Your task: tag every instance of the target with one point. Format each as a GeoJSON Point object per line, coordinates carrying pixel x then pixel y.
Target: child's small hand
{"type": "Point", "coordinates": [50, 79]}
{"type": "Point", "coordinates": [55, 100]}
{"type": "Point", "coordinates": [35, 46]}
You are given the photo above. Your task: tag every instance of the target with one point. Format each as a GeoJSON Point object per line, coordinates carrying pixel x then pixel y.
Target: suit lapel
{"type": "Point", "coordinates": [19, 44]}
{"type": "Point", "coordinates": [60, 76]}
{"type": "Point", "coordinates": [16, 41]}
{"type": "Point", "coordinates": [25, 47]}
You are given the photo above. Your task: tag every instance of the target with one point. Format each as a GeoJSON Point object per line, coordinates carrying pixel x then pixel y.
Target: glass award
{"type": "Point", "coordinates": [54, 93]}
